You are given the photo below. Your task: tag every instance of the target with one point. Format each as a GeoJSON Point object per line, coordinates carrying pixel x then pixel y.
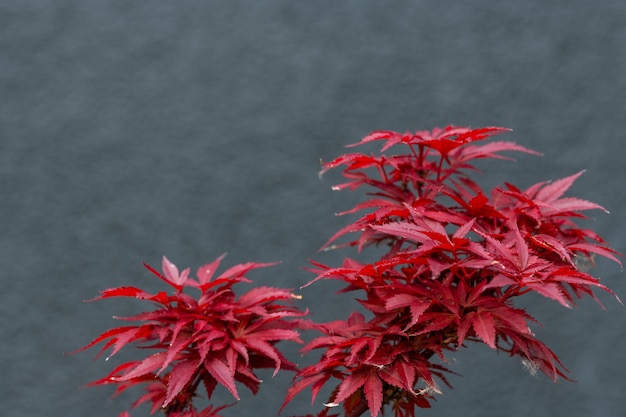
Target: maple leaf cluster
{"type": "Point", "coordinates": [215, 338]}
{"type": "Point", "coordinates": [454, 260]}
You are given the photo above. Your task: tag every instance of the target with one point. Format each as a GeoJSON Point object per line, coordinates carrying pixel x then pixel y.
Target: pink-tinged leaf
{"type": "Point", "coordinates": [500, 281]}
{"type": "Point", "coordinates": [399, 301]}
{"type": "Point", "coordinates": [238, 271]}
{"type": "Point", "coordinates": [550, 290]}
{"type": "Point", "coordinates": [490, 150]}
{"type": "Point", "coordinates": [556, 189]}
{"type": "Point", "coordinates": [240, 348]}
{"type": "Point", "coordinates": [146, 366]}
{"type": "Point", "coordinates": [567, 205]}
{"type": "Point", "coordinates": [403, 231]}
{"type": "Point", "coordinates": [436, 215]}
{"type": "Point", "coordinates": [464, 230]}
{"type": "Point", "coordinates": [265, 349]}
{"type": "Point", "coordinates": [262, 294]}
{"type": "Point", "coordinates": [273, 334]}
{"type": "Point", "coordinates": [485, 328]}
{"type": "Point", "coordinates": [174, 349]}
{"type": "Point", "coordinates": [374, 393]}
{"type": "Point", "coordinates": [222, 373]}
{"type": "Point", "coordinates": [206, 272]}
{"type": "Point", "coordinates": [500, 249]}
{"type": "Point", "coordinates": [179, 377]}
{"type": "Point", "coordinates": [163, 278]}
{"type": "Point", "coordinates": [171, 273]}
{"type": "Point", "coordinates": [600, 250]}
{"type": "Point", "coordinates": [124, 414]}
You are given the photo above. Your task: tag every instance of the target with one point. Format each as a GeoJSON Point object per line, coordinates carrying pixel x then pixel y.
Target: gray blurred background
{"type": "Point", "coordinates": [134, 129]}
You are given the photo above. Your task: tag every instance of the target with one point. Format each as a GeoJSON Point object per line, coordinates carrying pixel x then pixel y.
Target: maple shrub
{"type": "Point", "coordinates": [454, 260]}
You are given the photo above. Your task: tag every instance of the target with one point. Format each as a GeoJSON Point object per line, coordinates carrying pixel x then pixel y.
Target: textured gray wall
{"type": "Point", "coordinates": [133, 129]}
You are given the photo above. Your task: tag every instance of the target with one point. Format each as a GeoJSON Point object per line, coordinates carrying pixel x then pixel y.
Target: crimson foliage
{"type": "Point", "coordinates": [455, 259]}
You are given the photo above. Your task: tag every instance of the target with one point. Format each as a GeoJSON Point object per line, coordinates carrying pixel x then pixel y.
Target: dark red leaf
{"type": "Point", "coordinates": [353, 382]}
{"type": "Point", "coordinates": [550, 290]}
{"type": "Point", "coordinates": [373, 389]}
{"type": "Point", "coordinates": [484, 326]}
{"type": "Point", "coordinates": [266, 350]}
{"type": "Point", "coordinates": [222, 374]}
{"type": "Point", "coordinates": [179, 377]}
